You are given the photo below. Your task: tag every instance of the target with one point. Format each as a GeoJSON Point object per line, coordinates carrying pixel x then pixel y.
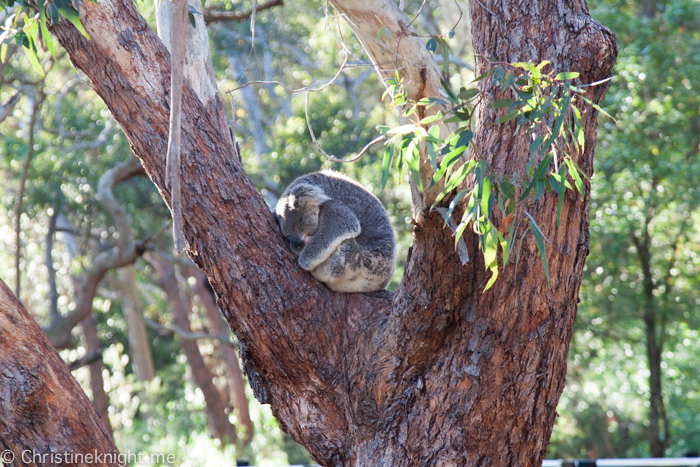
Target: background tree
{"type": "Point", "coordinates": [637, 326]}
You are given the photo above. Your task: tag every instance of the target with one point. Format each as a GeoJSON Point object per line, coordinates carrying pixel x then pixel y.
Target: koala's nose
{"type": "Point", "coordinates": [294, 241]}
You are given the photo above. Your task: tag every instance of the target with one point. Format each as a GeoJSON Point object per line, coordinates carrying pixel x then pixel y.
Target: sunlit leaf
{"type": "Point", "coordinates": [577, 177]}
{"type": "Point", "coordinates": [562, 191]}
{"type": "Point", "coordinates": [401, 130]}
{"type": "Point", "coordinates": [386, 163]}
{"type": "Point", "coordinates": [491, 256]}
{"type": "Point", "coordinates": [455, 179]}
{"type": "Point", "coordinates": [448, 161]}
{"type": "Point", "coordinates": [44, 30]}
{"type": "Point", "coordinates": [65, 7]}
{"type": "Point", "coordinates": [567, 75]}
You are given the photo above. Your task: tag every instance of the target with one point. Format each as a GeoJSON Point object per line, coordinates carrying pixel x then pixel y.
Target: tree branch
{"type": "Point", "coordinates": [20, 195]}
{"type": "Point", "coordinates": [34, 380]}
{"type": "Point", "coordinates": [218, 16]}
{"type": "Point", "coordinates": [8, 105]}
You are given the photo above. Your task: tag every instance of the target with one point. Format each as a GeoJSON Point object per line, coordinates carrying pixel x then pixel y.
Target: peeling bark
{"type": "Point", "coordinates": [438, 373]}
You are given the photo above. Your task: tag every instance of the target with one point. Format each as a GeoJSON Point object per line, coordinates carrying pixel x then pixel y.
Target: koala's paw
{"type": "Point", "coordinates": [305, 262]}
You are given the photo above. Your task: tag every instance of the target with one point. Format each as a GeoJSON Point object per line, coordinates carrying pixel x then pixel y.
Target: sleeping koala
{"type": "Point", "coordinates": [341, 232]}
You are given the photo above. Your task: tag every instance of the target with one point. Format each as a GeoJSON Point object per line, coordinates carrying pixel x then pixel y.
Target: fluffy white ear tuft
{"type": "Point", "coordinates": [305, 193]}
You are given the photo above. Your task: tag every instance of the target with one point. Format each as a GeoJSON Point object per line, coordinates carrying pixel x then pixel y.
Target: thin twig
{"type": "Point", "coordinates": [308, 91]}
{"type": "Point", "coordinates": [86, 360]}
{"type": "Point", "coordinates": [484, 7]}
{"type": "Point", "coordinates": [189, 335]}
{"type": "Point", "coordinates": [318, 145]}
{"type": "Point", "coordinates": [304, 89]}
{"type": "Point", "coordinates": [213, 16]}
{"type": "Point", "coordinates": [402, 32]}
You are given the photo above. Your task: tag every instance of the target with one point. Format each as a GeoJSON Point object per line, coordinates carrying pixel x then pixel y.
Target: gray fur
{"type": "Point", "coordinates": [341, 232]}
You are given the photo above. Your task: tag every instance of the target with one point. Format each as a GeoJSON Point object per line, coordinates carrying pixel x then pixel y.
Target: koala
{"type": "Point", "coordinates": [340, 231]}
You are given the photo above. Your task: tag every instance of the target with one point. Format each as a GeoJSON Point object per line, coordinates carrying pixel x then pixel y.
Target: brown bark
{"type": "Point", "coordinates": [216, 408]}
{"type": "Point", "coordinates": [236, 383]}
{"type": "Point", "coordinates": [43, 410]}
{"type": "Point", "coordinates": [438, 373]}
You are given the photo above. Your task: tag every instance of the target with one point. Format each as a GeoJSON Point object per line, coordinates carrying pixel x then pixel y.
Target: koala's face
{"type": "Point", "coordinates": [297, 212]}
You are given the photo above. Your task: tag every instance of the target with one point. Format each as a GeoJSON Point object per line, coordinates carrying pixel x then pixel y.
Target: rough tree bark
{"type": "Point", "coordinates": [43, 410]}
{"type": "Point", "coordinates": [438, 373]}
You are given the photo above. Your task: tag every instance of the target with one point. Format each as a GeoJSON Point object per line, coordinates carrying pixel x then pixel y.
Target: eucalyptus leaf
{"type": "Point", "coordinates": [539, 174]}
{"type": "Point", "coordinates": [466, 94]}
{"type": "Point", "coordinates": [44, 30]}
{"type": "Point", "coordinates": [509, 116]}
{"type": "Point", "coordinates": [539, 240]}
{"type": "Point", "coordinates": [562, 191]}
{"type": "Point", "coordinates": [567, 75]}
{"type": "Point", "coordinates": [68, 11]}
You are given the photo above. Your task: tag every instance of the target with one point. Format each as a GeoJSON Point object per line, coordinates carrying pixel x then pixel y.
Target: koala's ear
{"type": "Point", "coordinates": [305, 193]}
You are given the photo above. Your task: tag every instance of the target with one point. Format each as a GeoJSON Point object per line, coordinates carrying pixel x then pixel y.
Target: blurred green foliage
{"type": "Point", "coordinates": [646, 188]}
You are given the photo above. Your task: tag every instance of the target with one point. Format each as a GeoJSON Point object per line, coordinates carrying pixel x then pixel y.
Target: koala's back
{"type": "Point", "coordinates": [374, 221]}
{"type": "Point", "coordinates": [364, 263]}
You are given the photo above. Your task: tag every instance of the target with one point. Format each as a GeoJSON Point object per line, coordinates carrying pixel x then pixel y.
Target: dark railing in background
{"type": "Point", "coordinates": [663, 462]}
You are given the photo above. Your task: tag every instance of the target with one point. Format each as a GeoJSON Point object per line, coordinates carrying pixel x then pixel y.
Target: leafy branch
{"type": "Point", "coordinates": [27, 26]}
{"type": "Point", "coordinates": [541, 104]}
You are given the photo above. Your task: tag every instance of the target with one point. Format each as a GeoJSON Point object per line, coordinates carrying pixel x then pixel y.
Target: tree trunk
{"type": "Point", "coordinates": [654, 344]}
{"type": "Point", "coordinates": [236, 383]}
{"type": "Point", "coordinates": [216, 409]}
{"type": "Point", "coordinates": [657, 446]}
{"type": "Point", "coordinates": [43, 411]}
{"type": "Point", "coordinates": [439, 373]}
{"type": "Point", "coordinates": [132, 306]}
{"type": "Point", "coordinates": [139, 345]}
{"type": "Point", "coordinates": [97, 384]}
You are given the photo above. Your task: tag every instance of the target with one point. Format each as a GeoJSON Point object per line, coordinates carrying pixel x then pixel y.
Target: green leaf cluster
{"type": "Point", "coordinates": [541, 105]}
